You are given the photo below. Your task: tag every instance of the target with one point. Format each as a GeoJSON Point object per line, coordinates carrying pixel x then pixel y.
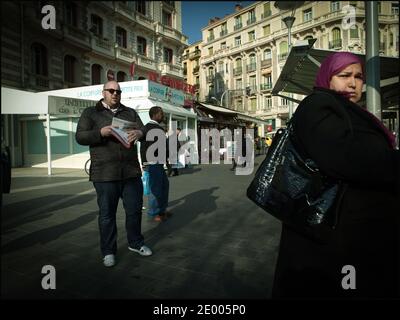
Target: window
{"type": "Point", "coordinates": [39, 59]}
{"type": "Point", "coordinates": [252, 59]}
{"type": "Point", "coordinates": [253, 105]}
{"type": "Point", "coordinates": [251, 17]}
{"type": "Point", "coordinates": [335, 6]}
{"type": "Point", "coordinates": [307, 15]}
{"type": "Point", "coordinates": [391, 39]}
{"type": "Point", "coordinates": [267, 10]}
{"type": "Point", "coordinates": [354, 32]}
{"type": "Point", "coordinates": [267, 30]}
{"type": "Point", "coordinates": [210, 35]}
{"type": "Point", "coordinates": [238, 23]}
{"type": "Point", "coordinates": [71, 13]}
{"type": "Point", "coordinates": [336, 39]}
{"type": "Point", "coordinates": [267, 54]}
{"type": "Point", "coordinates": [168, 53]}
{"type": "Point", "coordinates": [97, 25]}
{"type": "Point", "coordinates": [140, 7]}
{"type": "Point", "coordinates": [220, 66]}
{"type": "Point", "coordinates": [210, 51]}
{"type": "Point", "coordinates": [238, 63]}
{"type": "Point", "coordinates": [120, 35]}
{"type": "Point", "coordinates": [268, 103]}
{"type": "Point", "coordinates": [167, 18]}
{"type": "Point", "coordinates": [121, 76]}
{"type": "Point", "coordinates": [197, 81]}
{"type": "Point", "coordinates": [283, 47]}
{"type": "Point", "coordinates": [223, 45]}
{"type": "Point", "coordinates": [238, 84]}
{"type": "Point", "coordinates": [69, 68]}
{"type": "Point", "coordinates": [141, 46]}
{"type": "Point", "coordinates": [224, 29]}
{"type": "Point", "coordinates": [252, 35]}
{"type": "Point", "coordinates": [379, 7]}
{"type": "Point", "coordinates": [267, 80]}
{"type": "Point", "coordinates": [96, 74]}
{"type": "Point", "coordinates": [284, 102]}
{"type": "Point", "coordinates": [237, 41]}
{"type": "Point", "coordinates": [395, 8]}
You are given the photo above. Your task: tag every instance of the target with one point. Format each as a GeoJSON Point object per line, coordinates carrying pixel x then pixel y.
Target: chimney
{"type": "Point", "coordinates": [211, 21]}
{"type": "Point", "coordinates": [238, 7]}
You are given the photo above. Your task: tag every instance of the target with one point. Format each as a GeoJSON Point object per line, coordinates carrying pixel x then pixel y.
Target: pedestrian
{"type": "Point", "coordinates": [114, 171]}
{"type": "Point", "coordinates": [158, 180]}
{"type": "Point", "coordinates": [174, 167]}
{"type": "Point", "coordinates": [360, 257]}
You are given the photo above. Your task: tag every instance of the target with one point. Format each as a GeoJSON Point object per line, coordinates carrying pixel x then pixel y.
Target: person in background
{"type": "Point", "coordinates": [114, 171]}
{"type": "Point", "coordinates": [360, 257]}
{"type": "Point", "coordinates": [158, 180]}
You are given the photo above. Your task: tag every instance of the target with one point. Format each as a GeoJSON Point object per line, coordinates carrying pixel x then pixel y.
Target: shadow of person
{"type": "Point", "coordinates": [186, 209]}
{"type": "Point", "coordinates": [49, 234]}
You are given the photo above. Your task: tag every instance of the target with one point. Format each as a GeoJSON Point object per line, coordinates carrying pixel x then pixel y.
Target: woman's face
{"type": "Point", "coordinates": [349, 80]}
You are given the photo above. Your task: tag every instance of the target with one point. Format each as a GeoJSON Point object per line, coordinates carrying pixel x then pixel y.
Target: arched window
{"type": "Point", "coordinates": [354, 32]}
{"type": "Point", "coordinates": [252, 59]}
{"type": "Point", "coordinates": [283, 47]}
{"type": "Point", "coordinates": [97, 70]}
{"type": "Point", "coordinates": [69, 69]}
{"type": "Point", "coordinates": [267, 54]}
{"type": "Point", "coordinates": [121, 76]}
{"type": "Point", "coordinates": [238, 63]}
{"type": "Point", "coordinates": [39, 59]}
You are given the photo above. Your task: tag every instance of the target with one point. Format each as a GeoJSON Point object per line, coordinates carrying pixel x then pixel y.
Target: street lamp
{"type": "Point", "coordinates": [289, 20]}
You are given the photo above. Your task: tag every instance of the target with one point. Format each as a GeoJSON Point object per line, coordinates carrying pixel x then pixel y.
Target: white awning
{"type": "Point", "coordinates": [22, 102]}
{"type": "Point", "coordinates": [219, 109]}
{"type": "Point", "coordinates": [142, 104]}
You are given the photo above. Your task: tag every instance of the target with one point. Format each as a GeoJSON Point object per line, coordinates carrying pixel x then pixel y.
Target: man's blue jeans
{"type": "Point", "coordinates": [108, 195]}
{"type": "Point", "coordinates": [159, 189]}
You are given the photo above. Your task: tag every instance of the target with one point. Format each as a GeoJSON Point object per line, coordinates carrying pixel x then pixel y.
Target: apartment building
{"type": "Point", "coordinates": [243, 53]}
{"type": "Point", "coordinates": [191, 66]}
{"type": "Point", "coordinates": [92, 41]}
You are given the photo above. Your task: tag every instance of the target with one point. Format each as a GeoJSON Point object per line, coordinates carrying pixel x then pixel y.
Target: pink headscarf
{"type": "Point", "coordinates": [333, 64]}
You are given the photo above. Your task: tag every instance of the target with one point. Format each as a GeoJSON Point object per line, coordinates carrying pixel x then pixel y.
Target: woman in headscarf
{"type": "Point", "coordinates": [360, 257]}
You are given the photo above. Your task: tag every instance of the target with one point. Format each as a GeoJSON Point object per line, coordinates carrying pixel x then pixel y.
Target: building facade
{"type": "Point", "coordinates": [92, 41]}
{"type": "Point", "coordinates": [243, 53]}
{"type": "Point", "coordinates": [191, 66]}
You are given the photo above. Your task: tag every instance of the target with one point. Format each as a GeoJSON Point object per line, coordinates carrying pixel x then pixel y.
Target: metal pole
{"type": "Point", "coordinates": [289, 46]}
{"type": "Point", "coordinates": [372, 63]}
{"type": "Point", "coordinates": [48, 145]}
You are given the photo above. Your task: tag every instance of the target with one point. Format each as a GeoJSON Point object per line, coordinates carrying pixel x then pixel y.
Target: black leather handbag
{"type": "Point", "coordinates": [289, 186]}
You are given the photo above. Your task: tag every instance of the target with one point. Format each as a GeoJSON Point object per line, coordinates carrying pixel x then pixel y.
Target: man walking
{"type": "Point", "coordinates": [114, 171]}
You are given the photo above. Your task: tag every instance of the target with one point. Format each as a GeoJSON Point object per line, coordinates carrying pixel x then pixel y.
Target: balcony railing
{"type": "Point", "coordinates": [266, 86]}
{"type": "Point", "coordinates": [195, 54]}
{"type": "Point", "coordinates": [251, 67]}
{"type": "Point", "coordinates": [223, 33]}
{"type": "Point", "coordinates": [238, 26]}
{"type": "Point", "coordinates": [266, 14]}
{"type": "Point", "coordinates": [251, 20]}
{"type": "Point", "coordinates": [124, 54]}
{"type": "Point", "coordinates": [237, 71]}
{"type": "Point", "coordinates": [334, 44]}
{"type": "Point", "coordinates": [266, 63]}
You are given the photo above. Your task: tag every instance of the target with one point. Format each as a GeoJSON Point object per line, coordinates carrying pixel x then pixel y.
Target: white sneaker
{"type": "Point", "coordinates": [109, 260]}
{"type": "Point", "coordinates": [143, 251]}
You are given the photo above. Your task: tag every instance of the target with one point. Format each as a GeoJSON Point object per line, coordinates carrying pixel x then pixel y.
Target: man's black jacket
{"type": "Point", "coordinates": [110, 160]}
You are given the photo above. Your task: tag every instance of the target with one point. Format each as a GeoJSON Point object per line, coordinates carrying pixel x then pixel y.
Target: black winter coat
{"type": "Point", "coordinates": [110, 160]}
{"type": "Point", "coordinates": [348, 145]}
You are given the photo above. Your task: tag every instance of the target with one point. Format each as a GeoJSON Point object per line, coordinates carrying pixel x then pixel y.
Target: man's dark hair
{"type": "Point", "coordinates": [153, 111]}
{"type": "Point", "coordinates": [179, 129]}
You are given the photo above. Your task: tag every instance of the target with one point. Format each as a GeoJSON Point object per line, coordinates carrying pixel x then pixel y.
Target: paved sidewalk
{"type": "Point", "coordinates": [218, 244]}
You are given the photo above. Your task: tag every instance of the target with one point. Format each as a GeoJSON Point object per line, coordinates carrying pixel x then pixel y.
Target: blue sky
{"type": "Point", "coordinates": [196, 14]}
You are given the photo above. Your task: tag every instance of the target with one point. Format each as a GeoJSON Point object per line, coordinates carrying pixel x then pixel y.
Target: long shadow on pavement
{"type": "Point", "coordinates": [48, 234]}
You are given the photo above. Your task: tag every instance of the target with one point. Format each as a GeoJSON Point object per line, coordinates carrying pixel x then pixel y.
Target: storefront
{"type": "Point", "coordinates": [29, 116]}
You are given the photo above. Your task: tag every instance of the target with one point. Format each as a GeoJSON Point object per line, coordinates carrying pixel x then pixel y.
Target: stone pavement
{"type": "Point", "coordinates": [218, 244]}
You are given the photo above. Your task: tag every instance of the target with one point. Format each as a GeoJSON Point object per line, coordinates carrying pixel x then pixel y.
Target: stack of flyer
{"type": "Point", "coordinates": [120, 130]}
